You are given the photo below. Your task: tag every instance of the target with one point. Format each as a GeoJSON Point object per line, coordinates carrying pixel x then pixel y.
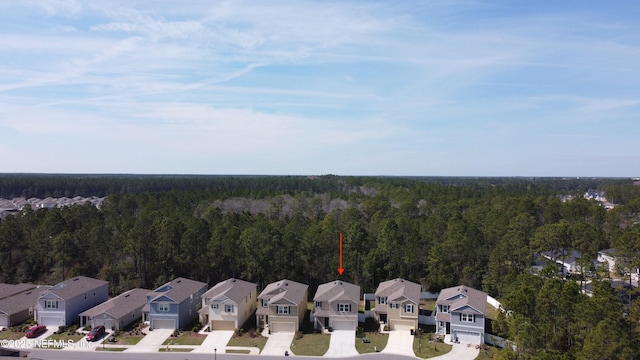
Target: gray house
{"type": "Point", "coordinates": [19, 307]}
{"type": "Point", "coordinates": [61, 304]}
{"type": "Point", "coordinates": [7, 290]}
{"type": "Point", "coordinates": [336, 306]}
{"type": "Point", "coordinates": [118, 312]}
{"type": "Point", "coordinates": [174, 304]}
{"type": "Point", "coordinates": [460, 312]}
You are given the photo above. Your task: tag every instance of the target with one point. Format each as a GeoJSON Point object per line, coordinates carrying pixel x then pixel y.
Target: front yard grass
{"type": "Point", "coordinates": [377, 342]}
{"type": "Point", "coordinates": [11, 335]}
{"type": "Point", "coordinates": [186, 338]}
{"type": "Point", "coordinates": [311, 345]}
{"type": "Point", "coordinates": [247, 341]}
{"type": "Point", "coordinates": [237, 352]}
{"type": "Point", "coordinates": [423, 347]}
{"type": "Point", "coordinates": [69, 334]}
{"type": "Point", "coordinates": [487, 352]}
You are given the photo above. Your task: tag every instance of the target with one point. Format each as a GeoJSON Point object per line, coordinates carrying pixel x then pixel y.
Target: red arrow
{"type": "Point", "coordinates": [340, 269]}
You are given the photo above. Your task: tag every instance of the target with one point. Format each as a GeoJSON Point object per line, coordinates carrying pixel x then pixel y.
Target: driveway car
{"type": "Point", "coordinates": [35, 330]}
{"type": "Point", "coordinates": [96, 333]}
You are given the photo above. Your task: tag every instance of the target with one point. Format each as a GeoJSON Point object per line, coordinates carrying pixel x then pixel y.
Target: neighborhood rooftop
{"type": "Point", "coordinates": [459, 296]}
{"type": "Point", "coordinates": [120, 305]}
{"type": "Point", "coordinates": [73, 287]}
{"type": "Point", "coordinates": [233, 289]}
{"type": "Point", "coordinates": [337, 290]}
{"type": "Point", "coordinates": [178, 289]}
{"type": "Point", "coordinates": [17, 302]}
{"type": "Point", "coordinates": [7, 290]}
{"type": "Point", "coordinates": [285, 289]}
{"type": "Point", "coordinates": [398, 288]}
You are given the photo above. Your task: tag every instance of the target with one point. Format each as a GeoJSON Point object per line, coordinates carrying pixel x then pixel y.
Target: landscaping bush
{"type": "Point", "coordinates": [298, 335]}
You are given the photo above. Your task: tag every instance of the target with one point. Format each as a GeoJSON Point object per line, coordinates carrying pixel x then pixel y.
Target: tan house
{"type": "Point", "coordinates": [336, 306]}
{"type": "Point", "coordinates": [228, 304]}
{"type": "Point", "coordinates": [397, 304]}
{"type": "Point", "coordinates": [282, 306]}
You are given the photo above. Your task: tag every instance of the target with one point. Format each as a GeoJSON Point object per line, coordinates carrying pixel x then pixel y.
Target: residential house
{"type": "Point", "coordinates": [336, 306]}
{"type": "Point", "coordinates": [173, 305]}
{"type": "Point", "coordinates": [7, 290]}
{"type": "Point", "coordinates": [609, 257]}
{"type": "Point", "coordinates": [18, 307]}
{"type": "Point", "coordinates": [398, 304]}
{"type": "Point", "coordinates": [118, 312]}
{"type": "Point", "coordinates": [282, 306]}
{"type": "Point", "coordinates": [460, 312]}
{"type": "Point", "coordinates": [228, 304]}
{"type": "Point", "coordinates": [568, 261]}
{"type": "Point", "coordinates": [61, 304]}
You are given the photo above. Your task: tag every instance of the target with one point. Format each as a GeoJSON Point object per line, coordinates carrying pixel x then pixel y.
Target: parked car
{"type": "Point", "coordinates": [96, 333]}
{"type": "Point", "coordinates": [35, 330]}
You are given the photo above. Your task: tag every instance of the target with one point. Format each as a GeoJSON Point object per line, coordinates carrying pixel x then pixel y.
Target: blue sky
{"type": "Point", "coordinates": [450, 88]}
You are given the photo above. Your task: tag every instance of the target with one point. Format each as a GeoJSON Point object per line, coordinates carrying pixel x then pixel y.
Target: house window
{"type": "Point", "coordinates": [344, 307]}
{"type": "Point", "coordinates": [163, 307]}
{"type": "Point", "coordinates": [444, 308]}
{"type": "Point", "coordinates": [50, 304]}
{"type": "Point", "coordinates": [265, 302]}
{"type": "Point", "coordinates": [214, 306]}
{"type": "Point", "coordinates": [394, 305]}
{"type": "Point", "coordinates": [382, 300]}
{"type": "Point", "coordinates": [408, 308]}
{"type": "Point", "coordinates": [466, 318]}
{"type": "Point", "coordinates": [85, 296]}
{"type": "Point", "coordinates": [281, 309]}
{"type": "Point", "coordinates": [318, 304]}
{"type": "Point", "coordinates": [228, 308]}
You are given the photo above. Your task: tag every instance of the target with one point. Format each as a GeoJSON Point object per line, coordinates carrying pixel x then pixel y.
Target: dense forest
{"type": "Point", "coordinates": [436, 231]}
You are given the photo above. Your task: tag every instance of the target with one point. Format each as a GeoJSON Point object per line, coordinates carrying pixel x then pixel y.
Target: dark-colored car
{"type": "Point", "coordinates": [96, 333]}
{"type": "Point", "coordinates": [35, 330]}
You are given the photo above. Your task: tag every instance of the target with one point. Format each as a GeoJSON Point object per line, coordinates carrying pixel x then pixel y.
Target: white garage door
{"type": "Point", "coordinates": [343, 325]}
{"type": "Point", "coordinates": [108, 323]}
{"type": "Point", "coordinates": [164, 324]}
{"type": "Point", "coordinates": [402, 325]}
{"type": "Point", "coordinates": [4, 320]}
{"type": "Point", "coordinates": [467, 337]}
{"type": "Point", "coordinates": [51, 321]}
{"type": "Point", "coordinates": [282, 327]}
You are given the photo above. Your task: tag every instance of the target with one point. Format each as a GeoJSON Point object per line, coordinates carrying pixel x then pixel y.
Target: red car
{"type": "Point", "coordinates": [35, 330]}
{"type": "Point", "coordinates": [96, 333]}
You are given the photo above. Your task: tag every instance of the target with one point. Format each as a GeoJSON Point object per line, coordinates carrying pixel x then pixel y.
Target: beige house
{"type": "Point", "coordinates": [397, 304]}
{"type": "Point", "coordinates": [228, 304]}
{"type": "Point", "coordinates": [282, 306]}
{"type": "Point", "coordinates": [336, 306]}
{"type": "Point", "coordinates": [118, 312]}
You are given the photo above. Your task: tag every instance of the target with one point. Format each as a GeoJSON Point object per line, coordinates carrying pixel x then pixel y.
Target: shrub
{"type": "Point", "coordinates": [298, 335]}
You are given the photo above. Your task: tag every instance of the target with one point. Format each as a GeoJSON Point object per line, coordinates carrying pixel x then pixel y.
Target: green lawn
{"type": "Point", "coordinates": [377, 342]}
{"type": "Point", "coordinates": [428, 304]}
{"type": "Point", "coordinates": [311, 345]}
{"type": "Point", "coordinates": [246, 340]}
{"type": "Point", "coordinates": [423, 348]}
{"type": "Point", "coordinates": [238, 352]}
{"type": "Point", "coordinates": [164, 349]}
{"type": "Point", "coordinates": [11, 335]}
{"type": "Point", "coordinates": [487, 353]}
{"type": "Point", "coordinates": [66, 337]}
{"type": "Point", "coordinates": [100, 348]}
{"type": "Point", "coordinates": [186, 338]}
{"type": "Point", "coordinates": [492, 313]}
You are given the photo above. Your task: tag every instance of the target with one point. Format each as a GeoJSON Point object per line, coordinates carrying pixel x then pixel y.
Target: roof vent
{"type": "Point", "coordinates": [233, 280]}
{"type": "Point", "coordinates": [178, 282]}
{"type": "Point", "coordinates": [76, 279]}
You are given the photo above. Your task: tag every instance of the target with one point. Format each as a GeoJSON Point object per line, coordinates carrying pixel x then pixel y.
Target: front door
{"type": "Point", "coordinates": [326, 322]}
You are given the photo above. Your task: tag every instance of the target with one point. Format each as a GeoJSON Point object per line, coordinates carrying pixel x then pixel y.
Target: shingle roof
{"type": "Point", "coordinates": [120, 305]}
{"type": "Point", "coordinates": [73, 287]}
{"type": "Point", "coordinates": [395, 289]}
{"type": "Point", "coordinates": [7, 290]}
{"type": "Point", "coordinates": [21, 301]}
{"type": "Point", "coordinates": [285, 289]}
{"type": "Point", "coordinates": [337, 290]}
{"type": "Point", "coordinates": [234, 289]}
{"type": "Point", "coordinates": [178, 289]}
{"type": "Point", "coordinates": [458, 297]}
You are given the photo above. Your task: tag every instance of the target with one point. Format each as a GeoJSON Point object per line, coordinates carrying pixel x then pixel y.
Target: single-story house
{"type": "Point", "coordinates": [228, 304]}
{"type": "Point", "coordinates": [19, 307]}
{"type": "Point", "coordinates": [282, 306]}
{"type": "Point", "coordinates": [173, 305]}
{"type": "Point", "coordinates": [398, 304]}
{"type": "Point", "coordinates": [7, 290]}
{"type": "Point", "coordinates": [118, 312]}
{"type": "Point", "coordinates": [61, 304]}
{"type": "Point", "coordinates": [460, 312]}
{"type": "Point", "coordinates": [336, 306]}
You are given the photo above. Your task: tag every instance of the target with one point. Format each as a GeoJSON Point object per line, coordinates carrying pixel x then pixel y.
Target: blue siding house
{"type": "Point", "coordinates": [61, 304]}
{"type": "Point", "coordinates": [174, 304]}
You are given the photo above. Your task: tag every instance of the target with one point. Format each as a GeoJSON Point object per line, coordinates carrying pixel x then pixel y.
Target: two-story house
{"type": "Point", "coordinates": [397, 304]}
{"type": "Point", "coordinates": [228, 304]}
{"type": "Point", "coordinates": [174, 304]}
{"type": "Point", "coordinates": [282, 306]}
{"type": "Point", "coordinates": [461, 311]}
{"type": "Point", "coordinates": [61, 304]}
{"type": "Point", "coordinates": [336, 306]}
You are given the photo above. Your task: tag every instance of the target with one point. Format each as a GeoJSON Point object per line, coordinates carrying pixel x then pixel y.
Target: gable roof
{"type": "Point", "coordinates": [73, 287]}
{"type": "Point", "coordinates": [177, 289]}
{"type": "Point", "coordinates": [458, 297]}
{"type": "Point", "coordinates": [398, 290]}
{"type": "Point", "coordinates": [233, 289]}
{"type": "Point", "coordinates": [7, 290]}
{"type": "Point", "coordinates": [338, 291]}
{"type": "Point", "coordinates": [120, 305]}
{"type": "Point", "coordinates": [18, 302]}
{"type": "Point", "coordinates": [284, 289]}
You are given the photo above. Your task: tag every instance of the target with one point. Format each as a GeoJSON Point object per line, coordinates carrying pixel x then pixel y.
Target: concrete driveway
{"type": "Point", "coordinates": [152, 341]}
{"type": "Point", "coordinates": [216, 339]}
{"type": "Point", "coordinates": [278, 343]}
{"type": "Point", "coordinates": [459, 352]}
{"type": "Point", "coordinates": [84, 345]}
{"type": "Point", "coordinates": [26, 343]}
{"type": "Point", "coordinates": [400, 342]}
{"type": "Point", "coordinates": [342, 343]}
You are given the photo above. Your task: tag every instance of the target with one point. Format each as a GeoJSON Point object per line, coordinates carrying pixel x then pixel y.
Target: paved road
{"type": "Point", "coordinates": [400, 342]}
{"type": "Point", "coordinates": [152, 341]}
{"type": "Point", "coordinates": [216, 339]}
{"type": "Point", "coordinates": [342, 344]}
{"type": "Point", "coordinates": [278, 343]}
